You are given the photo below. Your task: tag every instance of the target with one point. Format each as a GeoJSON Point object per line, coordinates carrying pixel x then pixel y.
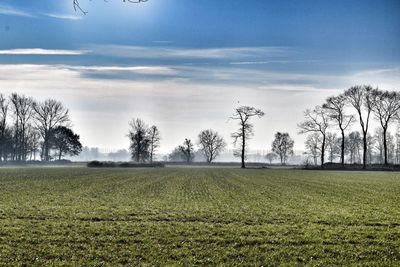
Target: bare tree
{"type": "Point", "coordinates": [176, 155]}
{"type": "Point", "coordinates": [140, 141]}
{"type": "Point", "coordinates": [271, 157]}
{"type": "Point", "coordinates": [332, 146]}
{"type": "Point", "coordinates": [336, 106]}
{"type": "Point", "coordinates": [386, 106]}
{"type": "Point", "coordinates": [3, 126]}
{"type": "Point", "coordinates": [360, 97]}
{"type": "Point", "coordinates": [23, 112]}
{"type": "Point", "coordinates": [243, 115]}
{"type": "Point", "coordinates": [313, 146]}
{"type": "Point", "coordinates": [33, 142]}
{"type": "Point", "coordinates": [187, 150]}
{"type": "Point", "coordinates": [283, 146]}
{"type": "Point", "coordinates": [49, 114]}
{"type": "Point", "coordinates": [397, 150]}
{"type": "Point", "coordinates": [211, 144]}
{"type": "Point", "coordinates": [155, 138]}
{"type": "Point", "coordinates": [77, 6]}
{"type": "Point", "coordinates": [316, 121]}
{"type": "Point", "coordinates": [354, 144]}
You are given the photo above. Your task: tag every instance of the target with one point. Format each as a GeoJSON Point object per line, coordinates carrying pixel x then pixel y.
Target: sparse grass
{"type": "Point", "coordinates": [213, 216]}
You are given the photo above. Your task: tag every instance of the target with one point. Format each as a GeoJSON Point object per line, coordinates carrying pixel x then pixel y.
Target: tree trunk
{"type": "Point", "coordinates": [323, 151]}
{"type": "Point", "coordinates": [385, 145]}
{"type": "Point", "coordinates": [364, 150]}
{"type": "Point", "coordinates": [243, 146]}
{"type": "Point", "coordinates": [342, 150]}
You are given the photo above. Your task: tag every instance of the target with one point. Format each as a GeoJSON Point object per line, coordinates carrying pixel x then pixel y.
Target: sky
{"type": "Point", "coordinates": [185, 65]}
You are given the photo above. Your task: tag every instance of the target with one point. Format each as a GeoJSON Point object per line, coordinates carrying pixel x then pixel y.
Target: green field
{"type": "Point", "coordinates": [209, 216]}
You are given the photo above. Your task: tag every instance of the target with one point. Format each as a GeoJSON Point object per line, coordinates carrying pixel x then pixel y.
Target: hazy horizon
{"type": "Point", "coordinates": [185, 66]}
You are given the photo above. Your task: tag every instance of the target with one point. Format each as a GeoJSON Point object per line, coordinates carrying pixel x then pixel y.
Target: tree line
{"type": "Point", "coordinates": [356, 105]}
{"type": "Point", "coordinates": [327, 127]}
{"type": "Point", "coordinates": [31, 129]}
{"type": "Point", "coordinates": [144, 140]}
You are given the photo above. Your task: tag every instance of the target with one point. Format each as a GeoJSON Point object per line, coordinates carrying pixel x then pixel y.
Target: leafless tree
{"type": "Point", "coordinates": [243, 115]}
{"type": "Point", "coordinates": [23, 113]}
{"type": "Point", "coordinates": [48, 115]}
{"type": "Point", "coordinates": [313, 146]}
{"type": "Point", "coordinates": [316, 121]}
{"type": "Point", "coordinates": [271, 157]}
{"type": "Point", "coordinates": [354, 144]}
{"type": "Point", "coordinates": [386, 106]}
{"type": "Point", "coordinates": [332, 146]}
{"type": "Point", "coordinates": [187, 150]}
{"type": "Point", "coordinates": [155, 138]}
{"type": "Point", "coordinates": [3, 126]}
{"type": "Point", "coordinates": [33, 142]}
{"type": "Point", "coordinates": [397, 150]}
{"type": "Point", "coordinates": [211, 144]}
{"type": "Point", "coordinates": [360, 97]}
{"type": "Point", "coordinates": [283, 146]}
{"type": "Point", "coordinates": [77, 6]}
{"type": "Point", "coordinates": [140, 140]}
{"type": "Point", "coordinates": [336, 106]}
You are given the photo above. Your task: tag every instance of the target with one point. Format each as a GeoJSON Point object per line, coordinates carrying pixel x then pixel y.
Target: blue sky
{"type": "Point", "coordinates": [184, 65]}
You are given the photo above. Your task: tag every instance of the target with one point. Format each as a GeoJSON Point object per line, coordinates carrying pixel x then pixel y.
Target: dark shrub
{"type": "Point", "coordinates": [108, 164]}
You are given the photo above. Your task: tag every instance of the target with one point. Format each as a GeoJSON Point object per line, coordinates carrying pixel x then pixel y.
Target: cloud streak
{"type": "Point", "coordinates": [188, 53]}
{"type": "Point", "coordinates": [63, 16]}
{"type": "Point", "coordinates": [40, 51]}
{"type": "Point", "coordinates": [11, 11]}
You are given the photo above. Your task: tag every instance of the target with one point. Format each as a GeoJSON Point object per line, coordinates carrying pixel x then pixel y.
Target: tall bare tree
{"type": "Point", "coordinates": [187, 150]}
{"type": "Point", "coordinates": [386, 106]}
{"type": "Point", "coordinates": [22, 107]}
{"type": "Point", "coordinates": [313, 146]}
{"type": "Point", "coordinates": [140, 141]}
{"type": "Point", "coordinates": [283, 146]}
{"type": "Point", "coordinates": [271, 157]}
{"type": "Point", "coordinates": [332, 146]}
{"type": "Point", "coordinates": [155, 138]}
{"type": "Point", "coordinates": [211, 144]}
{"type": "Point", "coordinates": [336, 106]}
{"type": "Point", "coordinates": [316, 121]}
{"type": "Point", "coordinates": [49, 114]}
{"type": "Point", "coordinates": [3, 126]}
{"type": "Point", "coordinates": [243, 114]}
{"type": "Point", "coordinates": [360, 97]}
{"type": "Point", "coordinates": [354, 144]}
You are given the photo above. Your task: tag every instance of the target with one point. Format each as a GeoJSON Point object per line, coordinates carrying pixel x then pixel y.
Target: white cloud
{"type": "Point", "coordinates": [11, 11]}
{"type": "Point", "coordinates": [154, 70]}
{"type": "Point", "coordinates": [188, 53]}
{"type": "Point", "coordinates": [271, 61]}
{"type": "Point", "coordinates": [40, 51]}
{"type": "Point", "coordinates": [63, 16]}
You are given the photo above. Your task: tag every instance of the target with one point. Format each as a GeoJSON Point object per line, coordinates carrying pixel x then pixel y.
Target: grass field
{"type": "Point", "coordinates": [183, 216]}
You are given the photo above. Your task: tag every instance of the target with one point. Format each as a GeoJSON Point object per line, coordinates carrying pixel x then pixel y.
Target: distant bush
{"type": "Point", "coordinates": [110, 164]}
{"type": "Point", "coordinates": [141, 165]}
{"type": "Point", "coordinates": [101, 164]}
{"type": "Point", "coordinates": [353, 167]}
